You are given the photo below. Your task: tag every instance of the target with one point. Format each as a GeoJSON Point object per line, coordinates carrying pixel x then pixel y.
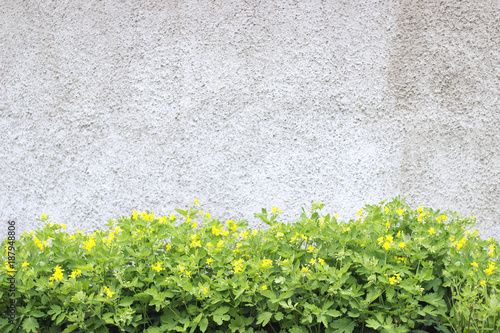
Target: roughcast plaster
{"type": "Point", "coordinates": [112, 106]}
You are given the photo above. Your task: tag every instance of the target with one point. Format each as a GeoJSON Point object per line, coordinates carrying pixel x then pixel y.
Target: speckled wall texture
{"type": "Point", "coordinates": [110, 106]}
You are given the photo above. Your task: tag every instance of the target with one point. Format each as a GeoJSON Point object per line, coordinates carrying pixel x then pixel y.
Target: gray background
{"type": "Point", "coordinates": [110, 106]}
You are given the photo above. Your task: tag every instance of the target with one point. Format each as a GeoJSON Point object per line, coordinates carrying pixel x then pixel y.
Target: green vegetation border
{"type": "Point", "coordinates": [393, 269]}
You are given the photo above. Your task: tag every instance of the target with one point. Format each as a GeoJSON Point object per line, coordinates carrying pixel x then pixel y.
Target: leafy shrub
{"type": "Point", "coordinates": [394, 269]}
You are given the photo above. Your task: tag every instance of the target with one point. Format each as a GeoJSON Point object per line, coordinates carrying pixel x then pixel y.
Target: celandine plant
{"type": "Point", "coordinates": [394, 269]}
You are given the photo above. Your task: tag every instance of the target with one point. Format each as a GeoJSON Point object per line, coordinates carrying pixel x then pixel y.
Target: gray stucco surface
{"type": "Point", "coordinates": [113, 106]}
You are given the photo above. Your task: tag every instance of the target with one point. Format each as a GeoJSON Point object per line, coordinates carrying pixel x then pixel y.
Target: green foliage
{"type": "Point", "coordinates": [393, 269]}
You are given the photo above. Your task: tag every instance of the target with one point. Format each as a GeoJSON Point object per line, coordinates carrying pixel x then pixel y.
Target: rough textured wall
{"type": "Point", "coordinates": [111, 106]}
{"type": "Point", "coordinates": [444, 74]}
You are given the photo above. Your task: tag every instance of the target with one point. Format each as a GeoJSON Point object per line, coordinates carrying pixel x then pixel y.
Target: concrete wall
{"type": "Point", "coordinates": [110, 106]}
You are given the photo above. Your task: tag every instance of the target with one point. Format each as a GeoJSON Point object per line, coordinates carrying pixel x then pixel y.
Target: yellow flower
{"type": "Point", "coordinates": [89, 244]}
{"type": "Point", "coordinates": [255, 232]}
{"type": "Point", "coordinates": [389, 238]}
{"type": "Point", "coordinates": [304, 269]}
{"type": "Point", "coordinates": [168, 246]}
{"type": "Point", "coordinates": [157, 267]}
{"type": "Point", "coordinates": [10, 270]}
{"type": "Point", "coordinates": [321, 262]}
{"type": "Point", "coordinates": [219, 244]}
{"type": "Point", "coordinates": [386, 209]}
{"type": "Point", "coordinates": [400, 211]}
{"type": "Point", "coordinates": [194, 226]}
{"type": "Point", "coordinates": [209, 244]}
{"type": "Point", "coordinates": [264, 287]}
{"type": "Point", "coordinates": [196, 202]}
{"type": "Point", "coordinates": [195, 244]}
{"type": "Point", "coordinates": [380, 240]}
{"type": "Point", "coordinates": [216, 231]}
{"type": "Point", "coordinates": [276, 210]}
{"type": "Point", "coordinates": [395, 279]}
{"type": "Point", "coordinates": [431, 231]}
{"type": "Point", "coordinates": [461, 243]}
{"type": "Point", "coordinates": [238, 266]}
{"type": "Point", "coordinates": [58, 275]}
{"type": "Point", "coordinates": [134, 215]}
{"type": "Point", "coordinates": [483, 283]}
{"type": "Point", "coordinates": [419, 209]}
{"type": "Point", "coordinates": [491, 267]}
{"type": "Point", "coordinates": [312, 261]}
{"type": "Point", "coordinates": [209, 261]}
{"type": "Point", "coordinates": [441, 218]}
{"type": "Point", "coordinates": [38, 243]}
{"type": "Point", "coordinates": [266, 263]}
{"type": "Point", "coordinates": [238, 248]}
{"type": "Point", "coordinates": [345, 230]}
{"type": "Point", "coordinates": [76, 273]}
{"type": "Point", "coordinates": [25, 264]}
{"type": "Point", "coordinates": [386, 246]}
{"type": "Point", "coordinates": [474, 264]}
{"type": "Point", "coordinates": [491, 250]}
{"type": "Point", "coordinates": [244, 235]}
{"type": "Point", "coordinates": [399, 259]}
{"type": "Point", "coordinates": [310, 249]}
{"type": "Point", "coordinates": [108, 292]}
{"type": "Point", "coordinates": [205, 290]}
{"type": "Point", "coordinates": [402, 245]}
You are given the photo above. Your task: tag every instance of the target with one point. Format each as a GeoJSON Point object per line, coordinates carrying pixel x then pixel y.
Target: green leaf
{"type": "Point", "coordinates": [278, 316]}
{"type": "Point", "coordinates": [37, 313]}
{"type": "Point", "coordinates": [333, 313]}
{"type": "Point", "coordinates": [60, 318]}
{"type": "Point", "coordinates": [372, 323]}
{"type": "Point", "coordinates": [55, 309]}
{"type": "Point", "coordinates": [182, 212]}
{"type": "Point", "coordinates": [297, 329]}
{"type": "Point", "coordinates": [344, 325]}
{"type": "Point", "coordinates": [219, 315]}
{"type": "Point", "coordinates": [126, 301]}
{"type": "Point", "coordinates": [263, 318]}
{"type": "Point", "coordinates": [433, 299]}
{"type": "Point", "coordinates": [390, 293]}
{"type": "Point", "coordinates": [434, 284]}
{"type": "Point", "coordinates": [107, 318]}
{"type": "Point", "coordinates": [30, 324]}
{"type": "Point", "coordinates": [70, 328]}
{"type": "Point", "coordinates": [203, 324]}
{"type": "Point", "coordinates": [269, 294]}
{"type": "Point", "coordinates": [195, 322]}
{"type": "Point", "coordinates": [221, 310]}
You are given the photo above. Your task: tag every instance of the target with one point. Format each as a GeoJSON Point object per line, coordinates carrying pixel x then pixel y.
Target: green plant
{"type": "Point", "coordinates": [393, 269]}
